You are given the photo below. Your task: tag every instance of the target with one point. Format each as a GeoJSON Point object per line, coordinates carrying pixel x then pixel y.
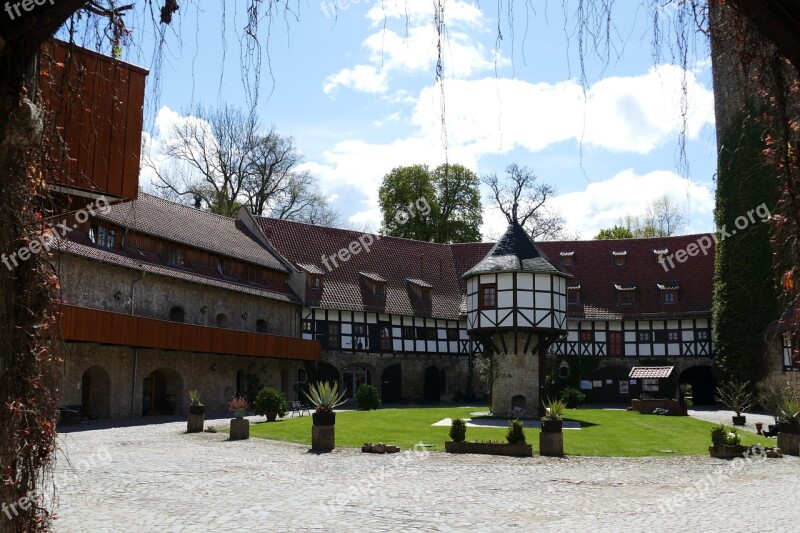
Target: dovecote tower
{"type": "Point", "coordinates": [516, 308]}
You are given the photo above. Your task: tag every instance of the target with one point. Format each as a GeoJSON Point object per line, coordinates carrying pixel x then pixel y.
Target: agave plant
{"type": "Point", "coordinates": [194, 397]}
{"type": "Point", "coordinates": [790, 412]}
{"type": "Point", "coordinates": [554, 409]}
{"type": "Point", "coordinates": [325, 397]}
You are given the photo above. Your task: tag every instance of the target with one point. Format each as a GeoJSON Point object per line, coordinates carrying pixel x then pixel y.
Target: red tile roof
{"type": "Point", "coordinates": [389, 258]}
{"type": "Point", "coordinates": [650, 372]}
{"type": "Point", "coordinates": [398, 260]}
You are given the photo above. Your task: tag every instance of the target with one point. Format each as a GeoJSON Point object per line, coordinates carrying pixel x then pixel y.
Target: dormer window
{"type": "Point", "coordinates": [173, 254]}
{"type": "Point", "coordinates": [376, 283]}
{"type": "Point", "coordinates": [102, 236]}
{"type": "Point", "coordinates": [669, 294]}
{"type": "Point", "coordinates": [574, 294]}
{"type": "Point", "coordinates": [620, 258]}
{"type": "Point", "coordinates": [315, 282]}
{"type": "Point", "coordinates": [567, 258]}
{"type": "Point", "coordinates": [314, 275]}
{"type": "Point", "coordinates": [625, 295]}
{"type": "Point", "coordinates": [660, 254]}
{"type": "Point", "coordinates": [420, 288]}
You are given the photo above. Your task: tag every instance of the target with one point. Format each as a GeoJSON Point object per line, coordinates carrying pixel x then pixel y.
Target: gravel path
{"type": "Point", "coordinates": [157, 478]}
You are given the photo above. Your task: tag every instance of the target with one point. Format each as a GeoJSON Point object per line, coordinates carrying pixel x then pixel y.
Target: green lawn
{"type": "Point", "coordinates": [602, 433]}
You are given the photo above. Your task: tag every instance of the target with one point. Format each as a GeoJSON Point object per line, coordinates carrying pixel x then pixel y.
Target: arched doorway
{"type": "Point", "coordinates": [162, 393]}
{"type": "Point", "coordinates": [352, 378]}
{"type": "Point", "coordinates": [703, 383]}
{"type": "Point", "coordinates": [433, 391]}
{"type": "Point", "coordinates": [96, 393]}
{"type": "Point", "coordinates": [391, 384]}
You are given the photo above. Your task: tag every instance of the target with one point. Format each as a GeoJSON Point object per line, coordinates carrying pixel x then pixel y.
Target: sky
{"type": "Point", "coordinates": [355, 85]}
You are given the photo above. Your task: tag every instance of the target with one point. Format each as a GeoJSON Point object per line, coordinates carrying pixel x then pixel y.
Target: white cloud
{"type": "Point", "coordinates": [602, 204]}
{"type": "Point", "coordinates": [362, 78]}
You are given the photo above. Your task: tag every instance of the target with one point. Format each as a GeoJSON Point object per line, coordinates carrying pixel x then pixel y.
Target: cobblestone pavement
{"type": "Point", "coordinates": [157, 478]}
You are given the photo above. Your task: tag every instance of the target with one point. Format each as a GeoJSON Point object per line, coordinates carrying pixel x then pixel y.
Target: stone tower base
{"type": "Point", "coordinates": [515, 390]}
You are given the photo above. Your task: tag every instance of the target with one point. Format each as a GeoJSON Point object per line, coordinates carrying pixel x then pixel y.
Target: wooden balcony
{"type": "Point", "coordinates": [95, 103]}
{"type": "Point", "coordinates": [81, 324]}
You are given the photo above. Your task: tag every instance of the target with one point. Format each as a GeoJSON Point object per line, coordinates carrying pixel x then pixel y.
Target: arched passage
{"type": "Point", "coordinates": [391, 384]}
{"type": "Point", "coordinates": [96, 393]}
{"type": "Point", "coordinates": [353, 377]}
{"type": "Point", "coordinates": [162, 393]}
{"type": "Point", "coordinates": [433, 390]}
{"type": "Point", "coordinates": [703, 383]}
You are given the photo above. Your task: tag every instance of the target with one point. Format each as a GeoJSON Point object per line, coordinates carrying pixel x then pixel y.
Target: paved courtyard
{"type": "Point", "coordinates": [156, 478]}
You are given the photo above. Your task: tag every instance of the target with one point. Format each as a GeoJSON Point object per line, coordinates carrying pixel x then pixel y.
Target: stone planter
{"type": "Point", "coordinates": [271, 416]}
{"type": "Point", "coordinates": [196, 419]}
{"type": "Point", "coordinates": [489, 448]}
{"type": "Point", "coordinates": [323, 438]}
{"type": "Point", "coordinates": [739, 420]}
{"type": "Point", "coordinates": [789, 443]}
{"type": "Point", "coordinates": [240, 429]}
{"type": "Point", "coordinates": [724, 451]}
{"type": "Point", "coordinates": [551, 443]}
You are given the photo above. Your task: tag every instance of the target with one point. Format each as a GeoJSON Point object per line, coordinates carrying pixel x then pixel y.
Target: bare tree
{"type": "Point", "coordinates": [523, 200]}
{"type": "Point", "coordinates": [221, 160]}
{"type": "Point", "coordinates": [664, 216]}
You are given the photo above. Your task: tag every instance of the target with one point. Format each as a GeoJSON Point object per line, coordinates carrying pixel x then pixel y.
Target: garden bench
{"type": "Point", "coordinates": [297, 407]}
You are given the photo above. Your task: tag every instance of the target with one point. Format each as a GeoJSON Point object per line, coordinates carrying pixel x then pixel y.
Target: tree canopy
{"type": "Point", "coordinates": [443, 205]}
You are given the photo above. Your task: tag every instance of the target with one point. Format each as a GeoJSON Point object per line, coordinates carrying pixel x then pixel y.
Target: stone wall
{"type": "Point", "coordinates": [516, 374]}
{"type": "Point", "coordinates": [90, 283]}
{"type": "Point", "coordinates": [125, 370]}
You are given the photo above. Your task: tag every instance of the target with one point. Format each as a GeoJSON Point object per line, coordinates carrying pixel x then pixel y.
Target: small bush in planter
{"type": "Point", "coordinates": [458, 430]}
{"type": "Point", "coordinates": [367, 397]}
{"type": "Point", "coordinates": [722, 435]}
{"type": "Point", "coordinates": [572, 397]}
{"type": "Point", "coordinates": [516, 432]}
{"type": "Point", "coordinates": [271, 403]}
{"type": "Point", "coordinates": [789, 420]}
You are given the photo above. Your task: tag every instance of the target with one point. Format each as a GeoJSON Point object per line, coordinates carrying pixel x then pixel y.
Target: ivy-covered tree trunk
{"type": "Point", "coordinates": [745, 295]}
{"type": "Point", "coordinates": [29, 356]}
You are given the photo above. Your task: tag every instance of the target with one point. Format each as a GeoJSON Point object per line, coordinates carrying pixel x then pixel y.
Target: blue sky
{"type": "Point", "coordinates": [358, 93]}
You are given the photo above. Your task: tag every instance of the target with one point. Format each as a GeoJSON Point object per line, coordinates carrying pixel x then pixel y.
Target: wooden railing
{"type": "Point", "coordinates": [81, 324]}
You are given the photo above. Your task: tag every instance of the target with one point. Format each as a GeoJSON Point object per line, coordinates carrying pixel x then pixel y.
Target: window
{"type": "Point", "coordinates": [788, 355]}
{"type": "Point", "coordinates": [573, 295]}
{"type": "Point", "coordinates": [379, 289]}
{"type": "Point", "coordinates": [315, 282]}
{"type": "Point", "coordinates": [386, 339]}
{"type": "Point", "coordinates": [452, 334]}
{"type": "Point", "coordinates": [174, 255]}
{"type": "Point", "coordinates": [409, 333]}
{"type": "Point", "coordinates": [360, 330]}
{"type": "Point", "coordinates": [221, 266]}
{"type": "Point", "coordinates": [620, 258]}
{"type": "Point", "coordinates": [176, 314]}
{"type": "Point", "coordinates": [644, 336]}
{"type": "Point", "coordinates": [626, 297]}
{"type": "Point", "coordinates": [673, 336]}
{"type": "Point", "coordinates": [587, 336]}
{"type": "Point", "coordinates": [614, 343]}
{"type": "Point", "coordinates": [308, 326]}
{"type": "Point", "coordinates": [334, 340]}
{"type": "Point", "coordinates": [425, 294]}
{"type": "Point", "coordinates": [669, 296]}
{"type": "Point", "coordinates": [103, 236]}
{"type": "Point", "coordinates": [567, 259]}
{"type": "Point", "coordinates": [487, 296]}
{"type": "Point", "coordinates": [302, 376]}
{"type": "Point", "coordinates": [261, 325]}
{"type": "Point", "coordinates": [702, 334]}
{"type": "Point", "coordinates": [432, 334]}
{"type": "Point", "coordinates": [650, 385]}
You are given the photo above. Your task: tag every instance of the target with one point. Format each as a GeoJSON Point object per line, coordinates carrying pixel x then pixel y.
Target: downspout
{"type": "Point", "coordinates": [135, 351]}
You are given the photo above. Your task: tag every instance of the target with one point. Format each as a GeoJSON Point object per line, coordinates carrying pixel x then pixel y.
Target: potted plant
{"type": "Point", "coordinates": [240, 426]}
{"type": "Point", "coordinates": [367, 397]}
{"type": "Point", "coordinates": [238, 405]}
{"type": "Point", "coordinates": [196, 413]}
{"type": "Point", "coordinates": [325, 398]}
{"type": "Point", "coordinates": [271, 403]}
{"type": "Point", "coordinates": [737, 397]}
{"type": "Point", "coordinates": [726, 443]}
{"type": "Point", "coordinates": [551, 439]}
{"type": "Point", "coordinates": [789, 428]}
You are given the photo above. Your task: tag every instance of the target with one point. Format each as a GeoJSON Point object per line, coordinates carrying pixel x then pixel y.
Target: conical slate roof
{"type": "Point", "coordinates": [514, 252]}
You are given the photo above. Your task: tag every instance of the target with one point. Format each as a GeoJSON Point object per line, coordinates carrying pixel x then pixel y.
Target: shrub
{"type": "Point", "coordinates": [736, 396]}
{"type": "Point", "coordinates": [367, 397]}
{"type": "Point", "coordinates": [271, 400]}
{"type": "Point", "coordinates": [516, 432]}
{"type": "Point", "coordinates": [722, 435]}
{"type": "Point", "coordinates": [573, 397]}
{"type": "Point", "coordinates": [458, 430]}
{"type": "Point", "coordinates": [553, 409]}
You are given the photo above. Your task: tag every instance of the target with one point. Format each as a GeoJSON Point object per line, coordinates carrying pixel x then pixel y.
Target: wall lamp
{"type": "Point", "coordinates": [118, 295]}
{"type": "Point", "coordinates": [204, 309]}
{"type": "Point", "coordinates": [244, 316]}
